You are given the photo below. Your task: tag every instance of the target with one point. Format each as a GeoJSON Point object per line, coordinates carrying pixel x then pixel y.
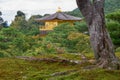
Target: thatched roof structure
{"type": "Point", "coordinates": [59, 16]}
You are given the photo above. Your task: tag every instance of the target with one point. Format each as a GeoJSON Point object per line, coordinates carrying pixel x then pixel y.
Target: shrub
{"type": "Point", "coordinates": [81, 27]}
{"type": "Point", "coordinates": [118, 49]}
{"type": "Point", "coordinates": [114, 30]}
{"type": "Point", "coordinates": [79, 42]}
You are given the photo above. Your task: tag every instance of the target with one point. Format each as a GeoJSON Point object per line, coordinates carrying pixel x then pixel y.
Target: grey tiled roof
{"type": "Point", "coordinates": [60, 16]}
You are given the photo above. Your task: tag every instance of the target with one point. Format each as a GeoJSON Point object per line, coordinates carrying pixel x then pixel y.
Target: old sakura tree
{"type": "Point", "coordinates": [93, 11]}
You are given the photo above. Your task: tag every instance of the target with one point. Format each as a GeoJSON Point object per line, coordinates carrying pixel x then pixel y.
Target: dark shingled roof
{"type": "Point", "coordinates": [60, 16]}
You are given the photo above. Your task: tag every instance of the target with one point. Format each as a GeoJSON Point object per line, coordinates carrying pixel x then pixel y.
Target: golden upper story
{"type": "Point", "coordinates": [55, 19]}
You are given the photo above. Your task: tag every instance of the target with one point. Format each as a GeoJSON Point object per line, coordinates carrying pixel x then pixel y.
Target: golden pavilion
{"type": "Point", "coordinates": [55, 19]}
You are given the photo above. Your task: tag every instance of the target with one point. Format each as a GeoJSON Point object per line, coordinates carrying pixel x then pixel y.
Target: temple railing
{"type": "Point", "coordinates": [45, 28]}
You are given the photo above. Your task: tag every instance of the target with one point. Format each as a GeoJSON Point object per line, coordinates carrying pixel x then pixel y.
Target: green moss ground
{"type": "Point", "coordinates": [16, 69]}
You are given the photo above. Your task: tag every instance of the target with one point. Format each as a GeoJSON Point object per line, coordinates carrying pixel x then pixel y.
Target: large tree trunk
{"type": "Point", "coordinates": [93, 11]}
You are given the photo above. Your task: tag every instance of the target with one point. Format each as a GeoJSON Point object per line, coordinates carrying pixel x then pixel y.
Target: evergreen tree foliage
{"type": "Point", "coordinates": [34, 25]}
{"type": "Point", "coordinates": [69, 38]}
{"type": "Point", "coordinates": [2, 22]}
{"type": "Point", "coordinates": [113, 25]}
{"type": "Point", "coordinates": [20, 22]}
{"type": "Point", "coordinates": [81, 27]}
{"type": "Point", "coordinates": [29, 27]}
{"type": "Point", "coordinates": [14, 43]}
{"type": "Point", "coordinates": [114, 16]}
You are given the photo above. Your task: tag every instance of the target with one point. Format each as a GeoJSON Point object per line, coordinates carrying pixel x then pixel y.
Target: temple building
{"type": "Point", "coordinates": [54, 20]}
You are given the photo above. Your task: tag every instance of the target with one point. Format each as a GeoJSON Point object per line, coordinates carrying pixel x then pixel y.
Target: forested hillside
{"type": "Point", "coordinates": [110, 6]}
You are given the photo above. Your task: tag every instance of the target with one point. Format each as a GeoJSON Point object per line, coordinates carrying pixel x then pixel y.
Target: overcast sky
{"type": "Point", "coordinates": [32, 7]}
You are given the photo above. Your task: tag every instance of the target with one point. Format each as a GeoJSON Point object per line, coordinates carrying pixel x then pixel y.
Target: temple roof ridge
{"type": "Point", "coordinates": [59, 16]}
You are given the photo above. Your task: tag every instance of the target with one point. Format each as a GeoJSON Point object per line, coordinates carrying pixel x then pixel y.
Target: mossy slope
{"type": "Point", "coordinates": [17, 69]}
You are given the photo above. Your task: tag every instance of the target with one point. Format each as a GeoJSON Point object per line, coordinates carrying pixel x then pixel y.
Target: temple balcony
{"type": "Point", "coordinates": [45, 28]}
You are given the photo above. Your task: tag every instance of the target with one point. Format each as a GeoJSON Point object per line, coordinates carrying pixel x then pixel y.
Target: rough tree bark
{"type": "Point", "coordinates": [93, 11]}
